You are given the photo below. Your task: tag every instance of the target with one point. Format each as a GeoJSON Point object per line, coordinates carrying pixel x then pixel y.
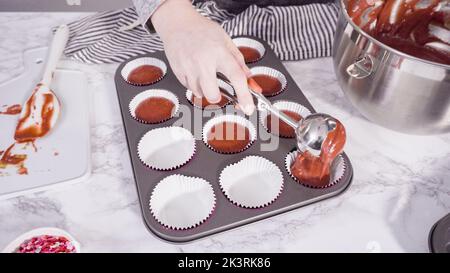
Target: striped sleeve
{"type": "Point", "coordinates": [145, 9]}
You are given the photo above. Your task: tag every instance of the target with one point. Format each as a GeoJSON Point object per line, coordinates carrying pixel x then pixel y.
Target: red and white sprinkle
{"type": "Point", "coordinates": [46, 244]}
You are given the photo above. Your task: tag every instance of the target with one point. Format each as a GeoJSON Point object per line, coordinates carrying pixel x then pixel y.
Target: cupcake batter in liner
{"type": "Point", "coordinates": [150, 70]}
{"type": "Point", "coordinates": [182, 202]}
{"type": "Point", "coordinates": [165, 114]}
{"type": "Point", "coordinates": [253, 182]}
{"type": "Point", "coordinates": [222, 85]}
{"type": "Point", "coordinates": [229, 119]}
{"type": "Point", "coordinates": [337, 170]}
{"type": "Point", "coordinates": [251, 50]}
{"type": "Point", "coordinates": [272, 81]}
{"type": "Point", "coordinates": [283, 105]}
{"type": "Point", "coordinates": [166, 148]}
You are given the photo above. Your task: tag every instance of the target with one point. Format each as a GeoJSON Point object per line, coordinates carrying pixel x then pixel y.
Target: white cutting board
{"type": "Point", "coordinates": [63, 156]}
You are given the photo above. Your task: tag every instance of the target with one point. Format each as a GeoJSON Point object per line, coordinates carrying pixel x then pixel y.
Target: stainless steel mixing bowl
{"type": "Point", "coordinates": [390, 88]}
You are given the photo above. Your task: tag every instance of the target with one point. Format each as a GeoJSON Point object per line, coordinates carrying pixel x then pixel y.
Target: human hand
{"type": "Point", "coordinates": [197, 48]}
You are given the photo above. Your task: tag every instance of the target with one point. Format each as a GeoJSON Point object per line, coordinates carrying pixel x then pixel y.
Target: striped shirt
{"type": "Point", "coordinates": [294, 32]}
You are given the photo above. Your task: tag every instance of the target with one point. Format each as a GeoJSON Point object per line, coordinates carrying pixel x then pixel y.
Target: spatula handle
{"type": "Point", "coordinates": [55, 52]}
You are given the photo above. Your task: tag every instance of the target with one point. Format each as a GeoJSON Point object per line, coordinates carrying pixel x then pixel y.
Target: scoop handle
{"type": "Point", "coordinates": [55, 52]}
{"type": "Point", "coordinates": [282, 116]}
{"type": "Point", "coordinates": [264, 103]}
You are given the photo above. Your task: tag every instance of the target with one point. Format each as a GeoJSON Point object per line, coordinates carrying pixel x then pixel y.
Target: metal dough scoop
{"type": "Point", "coordinates": [310, 132]}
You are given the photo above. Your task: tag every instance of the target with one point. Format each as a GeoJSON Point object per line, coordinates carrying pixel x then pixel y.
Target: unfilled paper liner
{"type": "Point", "coordinates": [181, 202]}
{"type": "Point", "coordinates": [222, 84]}
{"type": "Point", "coordinates": [253, 182]}
{"type": "Point", "coordinates": [286, 106]}
{"type": "Point", "coordinates": [166, 148]}
{"type": "Point", "coordinates": [248, 42]}
{"type": "Point", "coordinates": [336, 173]}
{"type": "Point", "coordinates": [232, 119]}
{"type": "Point", "coordinates": [264, 70]}
{"type": "Point", "coordinates": [153, 93]}
{"type": "Point", "coordinates": [126, 70]}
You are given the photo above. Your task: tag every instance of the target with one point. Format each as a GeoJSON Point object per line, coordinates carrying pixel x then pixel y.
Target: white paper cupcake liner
{"type": "Point", "coordinates": [222, 84]}
{"type": "Point", "coordinates": [126, 70]}
{"type": "Point", "coordinates": [166, 148]}
{"type": "Point", "coordinates": [337, 170]}
{"type": "Point", "coordinates": [153, 93]}
{"type": "Point", "coordinates": [286, 106]}
{"type": "Point", "coordinates": [232, 119]}
{"type": "Point", "coordinates": [12, 247]}
{"type": "Point", "coordinates": [264, 70]}
{"type": "Point", "coordinates": [247, 42]}
{"type": "Point", "coordinates": [253, 182]}
{"type": "Point", "coordinates": [181, 202]}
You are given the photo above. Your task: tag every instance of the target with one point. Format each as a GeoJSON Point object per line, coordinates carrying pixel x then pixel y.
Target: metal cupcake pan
{"type": "Point", "coordinates": [439, 237]}
{"type": "Point", "coordinates": [208, 165]}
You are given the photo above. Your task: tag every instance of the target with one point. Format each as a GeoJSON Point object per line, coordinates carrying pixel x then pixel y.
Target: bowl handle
{"type": "Point", "coordinates": [361, 68]}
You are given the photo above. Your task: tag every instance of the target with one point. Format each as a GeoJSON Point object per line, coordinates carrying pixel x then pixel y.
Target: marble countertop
{"type": "Point", "coordinates": [400, 187]}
